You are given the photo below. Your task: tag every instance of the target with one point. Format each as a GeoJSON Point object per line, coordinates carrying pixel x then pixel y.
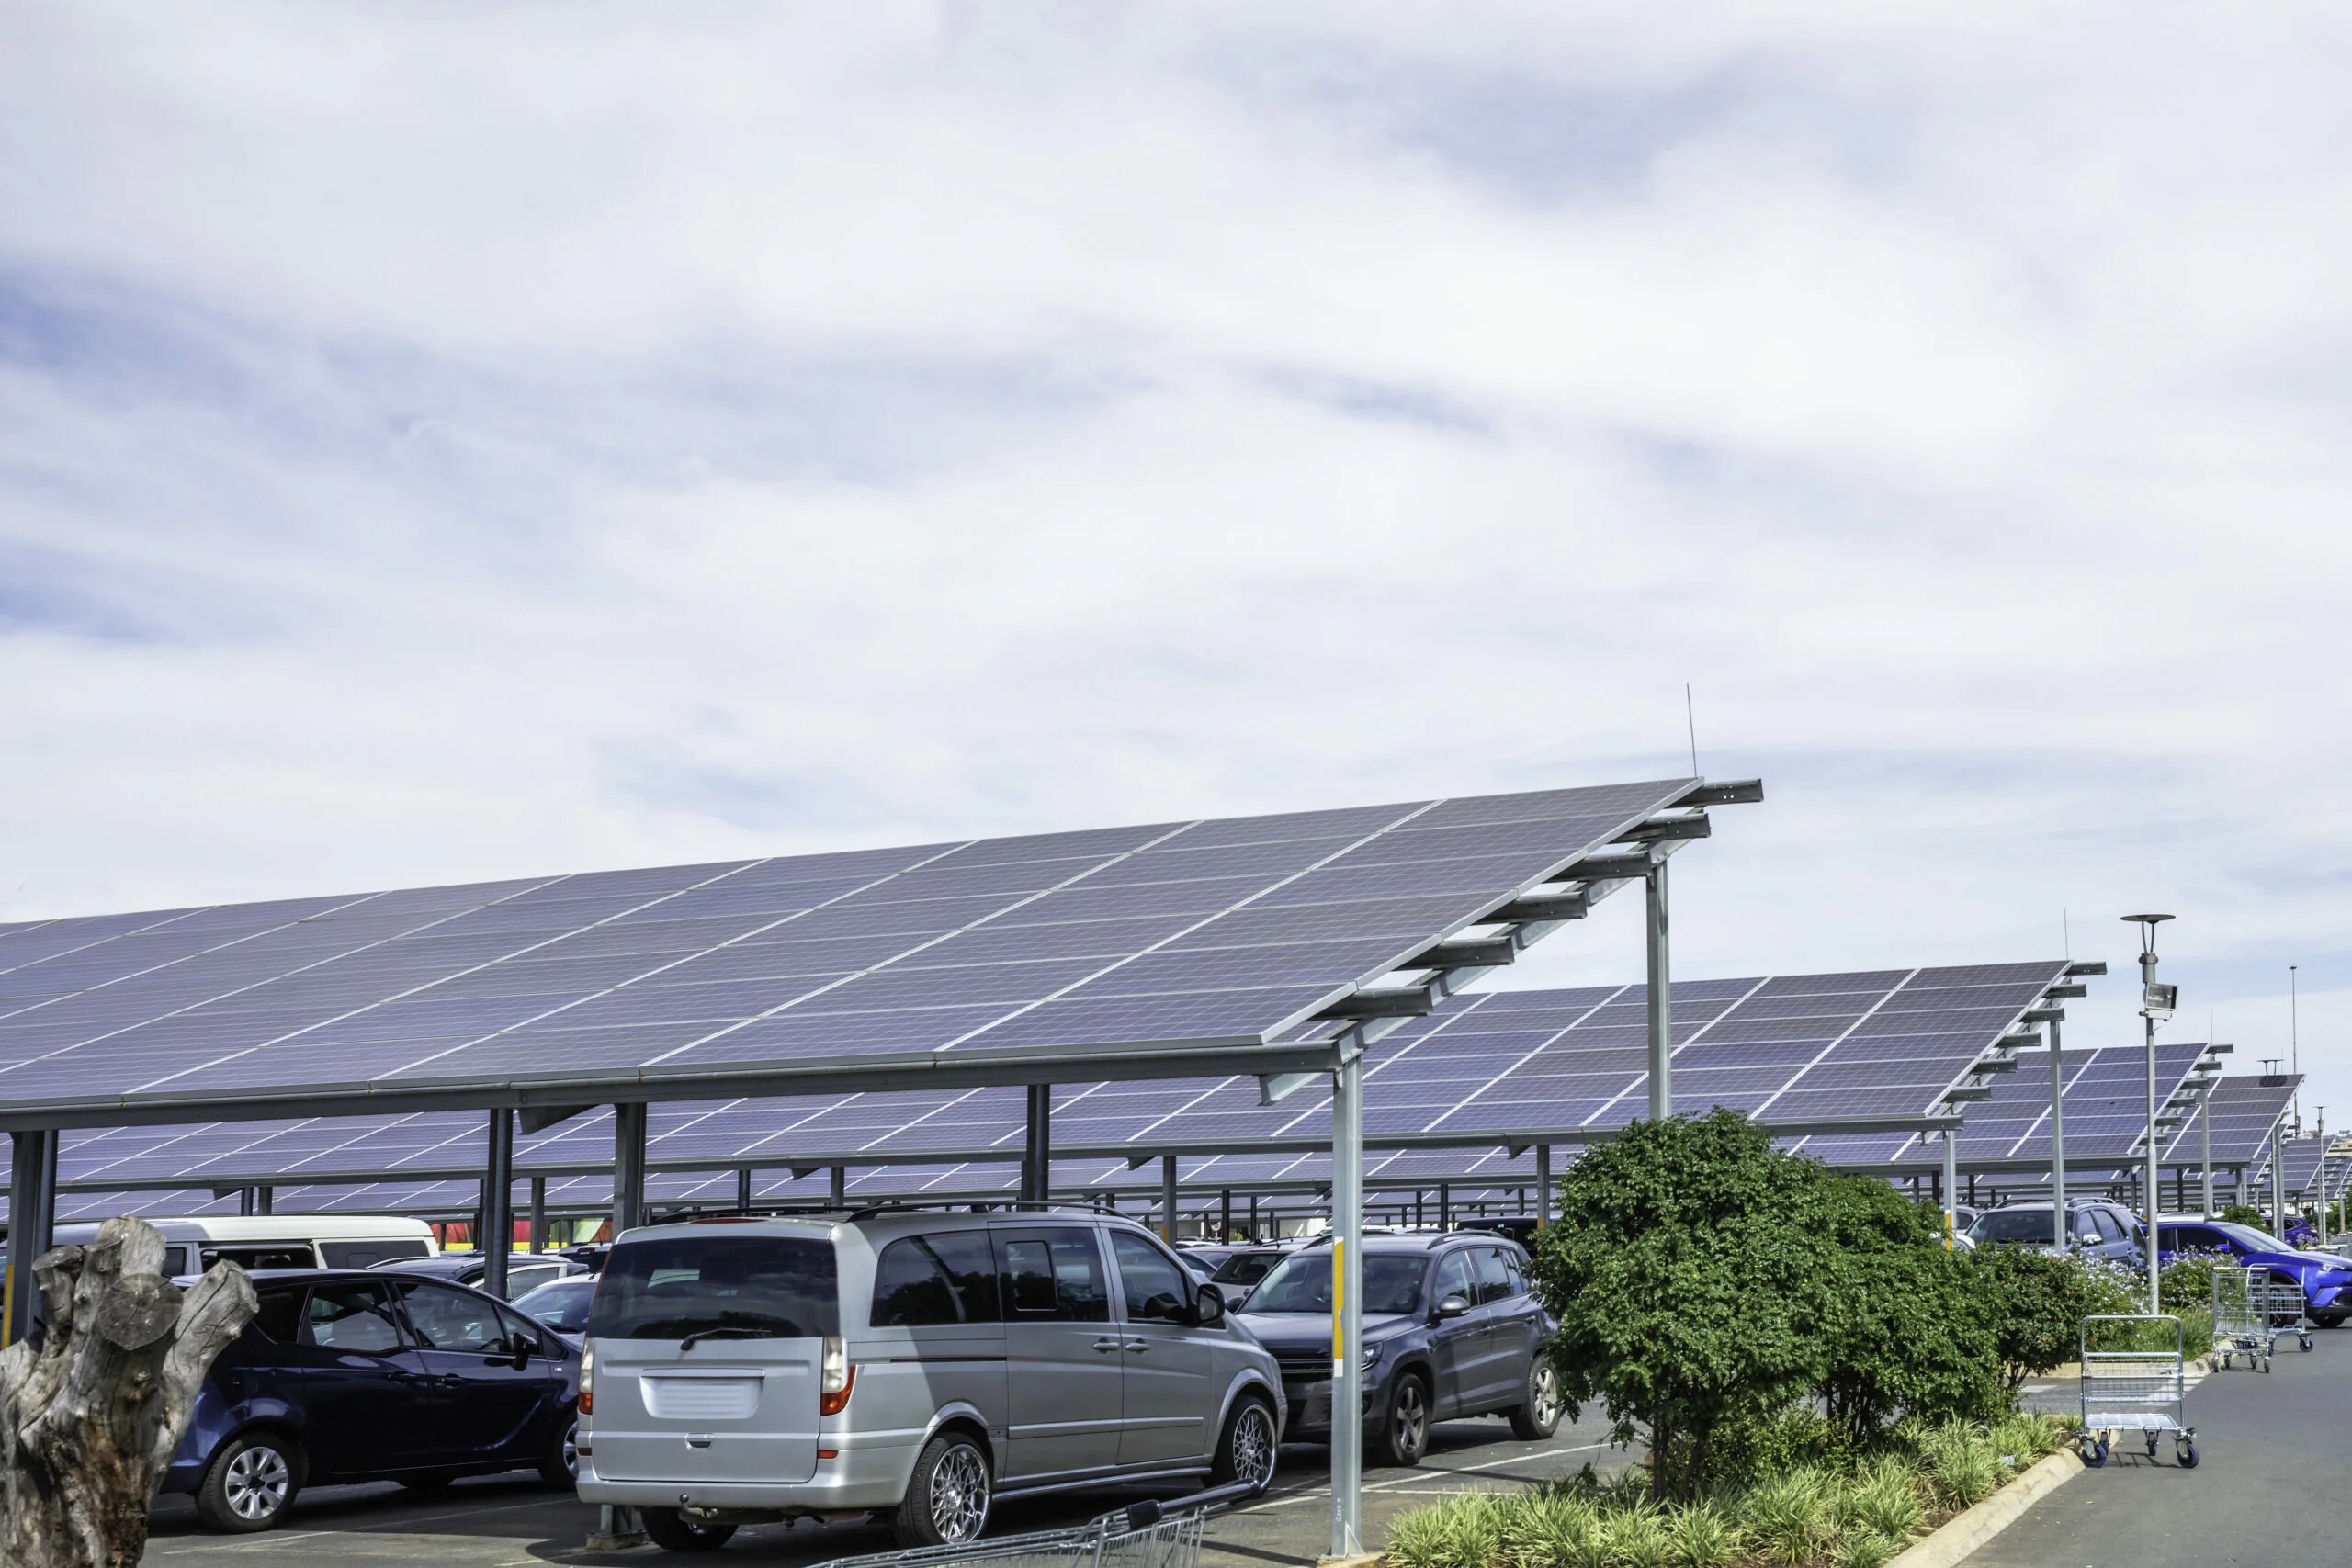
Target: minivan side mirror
{"type": "Point", "coordinates": [1454, 1306]}
{"type": "Point", "coordinates": [1208, 1306]}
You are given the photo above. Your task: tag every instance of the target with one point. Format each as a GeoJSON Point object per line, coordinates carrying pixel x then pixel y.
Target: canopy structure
{"type": "Point", "coordinates": [1468, 1096]}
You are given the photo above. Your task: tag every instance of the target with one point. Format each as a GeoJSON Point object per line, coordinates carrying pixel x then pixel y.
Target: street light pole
{"type": "Point", "coordinates": [2155, 1001]}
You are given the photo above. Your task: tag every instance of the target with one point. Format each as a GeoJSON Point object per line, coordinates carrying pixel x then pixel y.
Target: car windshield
{"type": "Point", "coordinates": [563, 1303]}
{"type": "Point", "coordinates": [763, 1287]}
{"type": "Point", "coordinates": [2012, 1225]}
{"type": "Point", "coordinates": [1246, 1267]}
{"type": "Point", "coordinates": [1301, 1282]}
{"type": "Point", "coordinates": [2247, 1236]}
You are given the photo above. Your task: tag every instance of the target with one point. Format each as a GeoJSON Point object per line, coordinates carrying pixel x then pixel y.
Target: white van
{"type": "Point", "coordinates": [279, 1241]}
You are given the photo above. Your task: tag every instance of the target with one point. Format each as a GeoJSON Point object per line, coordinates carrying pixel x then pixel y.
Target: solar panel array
{"type": "Point", "coordinates": [1483, 1067]}
{"type": "Point", "coordinates": [1215, 931]}
{"type": "Point", "coordinates": [2245, 1110]}
{"type": "Point", "coordinates": [2301, 1163]}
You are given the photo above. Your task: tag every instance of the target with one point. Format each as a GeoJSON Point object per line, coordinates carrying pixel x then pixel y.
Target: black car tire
{"type": "Point", "coordinates": [2327, 1319]}
{"type": "Point", "coordinates": [1539, 1416]}
{"type": "Point", "coordinates": [948, 1496]}
{"type": "Point", "coordinates": [1246, 1453]}
{"type": "Point", "coordinates": [673, 1531]}
{"type": "Point", "coordinates": [559, 1466]}
{"type": "Point", "coordinates": [1405, 1436]}
{"type": "Point", "coordinates": [250, 1483]}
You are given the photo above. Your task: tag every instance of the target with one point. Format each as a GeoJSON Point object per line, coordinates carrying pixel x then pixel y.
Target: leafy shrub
{"type": "Point", "coordinates": [1461, 1531]}
{"type": "Point", "coordinates": [2037, 1304]}
{"type": "Point", "coordinates": [1640, 1538]}
{"type": "Point", "coordinates": [1911, 1330]}
{"type": "Point", "coordinates": [1885, 1500]}
{"type": "Point", "coordinates": [1705, 1537]}
{"type": "Point", "coordinates": [2246, 1214]}
{"type": "Point", "coordinates": [1790, 1518]}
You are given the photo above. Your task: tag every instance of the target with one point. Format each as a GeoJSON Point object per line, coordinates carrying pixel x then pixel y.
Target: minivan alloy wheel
{"type": "Point", "coordinates": [959, 1493]}
{"type": "Point", "coordinates": [255, 1483]}
{"type": "Point", "coordinates": [1253, 1445]}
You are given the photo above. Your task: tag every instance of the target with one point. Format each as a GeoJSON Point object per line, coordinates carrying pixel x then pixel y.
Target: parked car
{"type": "Point", "coordinates": [350, 1375]}
{"type": "Point", "coordinates": [1521, 1228]}
{"type": "Point", "coordinates": [279, 1241]}
{"type": "Point", "coordinates": [525, 1271]}
{"type": "Point", "coordinates": [2096, 1229]}
{"type": "Point", "coordinates": [1202, 1258]}
{"type": "Point", "coordinates": [920, 1363]}
{"type": "Point", "coordinates": [562, 1305]}
{"type": "Point", "coordinates": [2326, 1278]}
{"type": "Point", "coordinates": [1449, 1330]}
{"type": "Point", "coordinates": [1243, 1267]}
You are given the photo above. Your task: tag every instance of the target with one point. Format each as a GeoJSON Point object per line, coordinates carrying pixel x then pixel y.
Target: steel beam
{"type": "Point", "coordinates": [1661, 993]}
{"type": "Point", "coordinates": [1038, 1148]}
{"type": "Point", "coordinates": [629, 1167]}
{"type": "Point", "coordinates": [1347, 1305]}
{"type": "Point", "coordinates": [32, 1221]}
{"type": "Point", "coordinates": [497, 1238]}
{"type": "Point", "coordinates": [1167, 1199]}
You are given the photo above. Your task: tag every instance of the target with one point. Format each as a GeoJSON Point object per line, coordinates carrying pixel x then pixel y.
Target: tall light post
{"type": "Point", "coordinates": [2156, 1003]}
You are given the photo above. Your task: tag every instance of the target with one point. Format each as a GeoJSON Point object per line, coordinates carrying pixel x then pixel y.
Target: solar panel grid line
{"type": "Point", "coordinates": [1798, 1077]}
{"type": "Point", "coordinates": [169, 917]}
{"type": "Point", "coordinates": [1559, 1034]}
{"type": "Point", "coordinates": [1397, 1066]}
{"type": "Point", "coordinates": [1674, 1049]}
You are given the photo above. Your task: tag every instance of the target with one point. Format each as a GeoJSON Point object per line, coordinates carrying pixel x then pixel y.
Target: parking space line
{"type": "Point", "coordinates": [274, 1539]}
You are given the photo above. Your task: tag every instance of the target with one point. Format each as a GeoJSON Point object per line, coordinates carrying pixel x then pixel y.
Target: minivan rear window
{"type": "Point", "coordinates": [751, 1287]}
{"type": "Point", "coordinates": [2012, 1225]}
{"type": "Point", "coordinates": [367, 1254]}
{"type": "Point", "coordinates": [923, 1280]}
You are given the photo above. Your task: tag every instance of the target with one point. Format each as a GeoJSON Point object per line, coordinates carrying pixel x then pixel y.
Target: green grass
{"type": "Point", "coordinates": [1835, 1514]}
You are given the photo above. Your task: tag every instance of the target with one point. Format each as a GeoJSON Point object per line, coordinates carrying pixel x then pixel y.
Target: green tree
{"type": "Point", "coordinates": [2038, 1303]}
{"type": "Point", "coordinates": [1910, 1333]}
{"type": "Point", "coordinates": [1690, 1268]}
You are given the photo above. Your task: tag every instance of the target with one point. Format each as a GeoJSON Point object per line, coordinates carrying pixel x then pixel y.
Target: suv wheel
{"type": "Point", "coordinates": [1539, 1417]}
{"type": "Point", "coordinates": [1407, 1436]}
{"type": "Point", "coordinates": [1245, 1455]}
{"type": "Point", "coordinates": [947, 1498]}
{"type": "Point", "coordinates": [673, 1531]}
{"type": "Point", "coordinates": [250, 1483]}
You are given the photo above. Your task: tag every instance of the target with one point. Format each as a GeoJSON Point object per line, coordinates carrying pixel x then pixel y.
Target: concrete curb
{"type": "Point", "coordinates": [1957, 1538]}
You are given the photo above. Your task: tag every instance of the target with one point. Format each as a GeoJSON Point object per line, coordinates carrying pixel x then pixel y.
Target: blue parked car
{"type": "Point", "coordinates": [349, 1376]}
{"type": "Point", "coordinates": [2326, 1278]}
{"type": "Point", "coordinates": [1449, 1330]}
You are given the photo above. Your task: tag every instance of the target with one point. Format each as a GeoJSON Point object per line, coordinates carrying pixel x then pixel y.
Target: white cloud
{"type": "Point", "coordinates": [450, 443]}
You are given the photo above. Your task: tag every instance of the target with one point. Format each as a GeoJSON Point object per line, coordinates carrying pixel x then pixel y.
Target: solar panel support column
{"type": "Point", "coordinates": [629, 1167]}
{"type": "Point", "coordinates": [2057, 1143]}
{"type": "Point", "coordinates": [1661, 998]}
{"type": "Point", "coordinates": [539, 1214]}
{"type": "Point", "coordinates": [2152, 1186]}
{"type": "Point", "coordinates": [1037, 1153]}
{"type": "Point", "coordinates": [1446, 1206]}
{"type": "Point", "coordinates": [32, 1223]}
{"type": "Point", "coordinates": [1168, 1198]}
{"type": "Point", "coordinates": [838, 1193]}
{"type": "Point", "coordinates": [264, 1200]}
{"type": "Point", "coordinates": [1253, 1218]}
{"type": "Point", "coordinates": [743, 1191]}
{"type": "Point", "coordinates": [1225, 1216]}
{"type": "Point", "coordinates": [1542, 1185]}
{"type": "Point", "coordinates": [498, 1204]}
{"type": "Point", "coordinates": [2277, 1181]}
{"type": "Point", "coordinates": [2205, 1143]}
{"type": "Point", "coordinates": [1347, 1300]}
{"type": "Point", "coordinates": [1951, 1187]}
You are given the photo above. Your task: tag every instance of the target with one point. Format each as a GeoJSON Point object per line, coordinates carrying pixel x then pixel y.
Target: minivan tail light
{"type": "Point", "coordinates": [834, 1377]}
{"type": "Point", "coordinates": [587, 1380]}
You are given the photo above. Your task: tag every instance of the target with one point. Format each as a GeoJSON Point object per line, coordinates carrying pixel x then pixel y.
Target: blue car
{"type": "Point", "coordinates": [2326, 1278]}
{"type": "Point", "coordinates": [347, 1376]}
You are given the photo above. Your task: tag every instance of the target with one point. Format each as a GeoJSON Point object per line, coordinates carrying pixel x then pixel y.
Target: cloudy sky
{"type": "Point", "coordinates": [449, 442]}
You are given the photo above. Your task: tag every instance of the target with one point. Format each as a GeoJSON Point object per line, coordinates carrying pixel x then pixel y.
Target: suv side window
{"type": "Point", "coordinates": [349, 1315]}
{"type": "Point", "coordinates": [1154, 1287]}
{"type": "Point", "coordinates": [2105, 1221]}
{"type": "Point", "coordinates": [1454, 1278]}
{"type": "Point", "coordinates": [1494, 1280]}
{"type": "Point", "coordinates": [445, 1319]}
{"type": "Point", "coordinates": [280, 1317]}
{"type": "Point", "coordinates": [1054, 1274]}
{"type": "Point", "coordinates": [924, 1281]}
{"type": "Point", "coordinates": [1510, 1266]}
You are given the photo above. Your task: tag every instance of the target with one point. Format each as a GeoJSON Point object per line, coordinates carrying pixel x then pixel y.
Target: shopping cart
{"type": "Point", "coordinates": [2239, 1320]}
{"type": "Point", "coordinates": [2143, 1391]}
{"type": "Point", "coordinates": [1141, 1535]}
{"type": "Point", "coordinates": [2282, 1302]}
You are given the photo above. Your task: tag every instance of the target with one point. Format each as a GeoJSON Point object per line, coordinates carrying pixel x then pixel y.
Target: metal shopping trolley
{"type": "Point", "coordinates": [2282, 1303]}
{"type": "Point", "coordinates": [2242, 1315]}
{"type": "Point", "coordinates": [1141, 1535]}
{"type": "Point", "coordinates": [2135, 1390]}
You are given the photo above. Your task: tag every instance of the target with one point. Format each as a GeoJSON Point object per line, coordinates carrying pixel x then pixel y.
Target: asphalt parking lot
{"type": "Point", "coordinates": [501, 1522]}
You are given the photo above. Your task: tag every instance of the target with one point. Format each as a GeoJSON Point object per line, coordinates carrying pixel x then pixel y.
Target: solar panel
{"type": "Point", "coordinates": [2244, 1110]}
{"type": "Point", "coordinates": [1201, 934]}
{"type": "Point", "coordinates": [1488, 1065]}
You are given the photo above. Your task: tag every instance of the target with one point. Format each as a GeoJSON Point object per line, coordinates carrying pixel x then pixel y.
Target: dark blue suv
{"type": "Point", "coordinates": [1449, 1330]}
{"type": "Point", "coordinates": [349, 1376]}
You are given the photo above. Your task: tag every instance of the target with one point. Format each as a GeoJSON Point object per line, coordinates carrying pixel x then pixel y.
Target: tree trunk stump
{"type": "Point", "coordinates": [92, 1409]}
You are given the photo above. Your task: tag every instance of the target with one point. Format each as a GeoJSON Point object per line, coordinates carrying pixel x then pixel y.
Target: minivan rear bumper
{"type": "Point", "coordinates": [872, 1477]}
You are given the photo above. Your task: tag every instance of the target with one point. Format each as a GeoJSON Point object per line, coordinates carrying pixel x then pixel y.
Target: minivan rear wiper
{"type": "Point", "coordinates": [730, 1332]}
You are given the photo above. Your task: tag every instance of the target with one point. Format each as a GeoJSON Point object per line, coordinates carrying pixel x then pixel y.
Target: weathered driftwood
{"type": "Point", "coordinates": [91, 1410]}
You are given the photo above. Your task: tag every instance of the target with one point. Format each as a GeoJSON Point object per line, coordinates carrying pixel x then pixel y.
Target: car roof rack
{"type": "Point", "coordinates": [985, 1206]}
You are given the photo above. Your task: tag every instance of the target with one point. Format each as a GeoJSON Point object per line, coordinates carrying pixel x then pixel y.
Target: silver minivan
{"type": "Point", "coordinates": [914, 1363]}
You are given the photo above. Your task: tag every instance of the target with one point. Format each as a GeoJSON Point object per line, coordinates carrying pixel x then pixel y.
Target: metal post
{"type": "Point", "coordinates": [1445, 1205]}
{"type": "Point", "coordinates": [1168, 1198]}
{"type": "Point", "coordinates": [1542, 1185]}
{"type": "Point", "coordinates": [2057, 1143]}
{"type": "Point", "coordinates": [2205, 1143]}
{"type": "Point", "coordinates": [245, 1202]}
{"type": "Point", "coordinates": [2150, 1187]}
{"type": "Point", "coordinates": [497, 1241]}
{"type": "Point", "coordinates": [1225, 1216]}
{"type": "Point", "coordinates": [1661, 998]}
{"type": "Point", "coordinates": [1347, 1300]}
{"type": "Point", "coordinates": [1037, 1153]}
{"type": "Point", "coordinates": [539, 1214]}
{"type": "Point", "coordinates": [629, 1167]}
{"type": "Point", "coordinates": [743, 1191]}
{"type": "Point", "coordinates": [1951, 1185]}
{"type": "Point", "coordinates": [2277, 1179]}
{"type": "Point", "coordinates": [32, 1220]}
{"type": "Point", "coordinates": [838, 1195]}
{"type": "Point", "coordinates": [264, 1200]}
{"type": "Point", "coordinates": [1254, 1237]}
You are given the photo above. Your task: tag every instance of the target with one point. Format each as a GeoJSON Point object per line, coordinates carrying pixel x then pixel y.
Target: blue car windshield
{"type": "Point", "coordinates": [1301, 1282]}
{"type": "Point", "coordinates": [2246, 1236]}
